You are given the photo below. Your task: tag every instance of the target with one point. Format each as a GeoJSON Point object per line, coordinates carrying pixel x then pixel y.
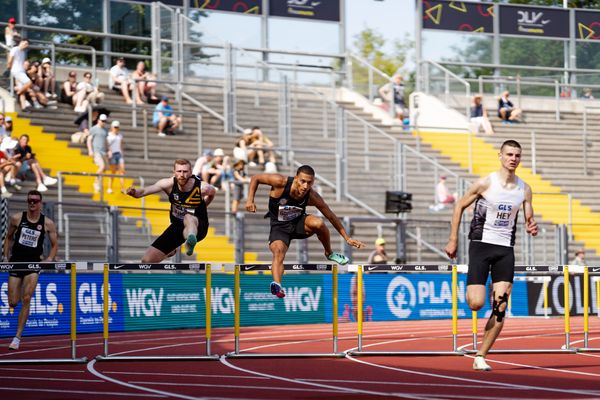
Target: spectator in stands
{"type": "Point", "coordinates": [46, 75]}
{"type": "Point", "coordinates": [3, 132]}
{"type": "Point", "coordinates": [479, 117]}
{"type": "Point", "coordinates": [145, 89]}
{"type": "Point", "coordinates": [11, 35]}
{"type": "Point", "coordinates": [507, 110]}
{"type": "Point", "coordinates": [263, 147]}
{"type": "Point", "coordinates": [587, 94]}
{"type": "Point", "coordinates": [213, 171]}
{"type": "Point", "coordinates": [35, 95]}
{"type": "Point", "coordinates": [8, 125]}
{"type": "Point", "coordinates": [116, 161]}
{"type": "Point", "coordinates": [579, 257]}
{"type": "Point", "coordinates": [240, 178]}
{"type": "Point", "coordinates": [378, 256]}
{"type": "Point", "coordinates": [393, 94]}
{"type": "Point", "coordinates": [164, 119]}
{"type": "Point", "coordinates": [69, 89]}
{"type": "Point", "coordinates": [97, 148]}
{"type": "Point", "coordinates": [16, 60]}
{"type": "Point", "coordinates": [12, 163]}
{"type": "Point", "coordinates": [206, 158]}
{"type": "Point", "coordinates": [87, 93]}
{"type": "Point", "coordinates": [443, 196]}
{"type": "Point", "coordinates": [240, 150]}
{"type": "Point", "coordinates": [118, 80]}
{"type": "Point", "coordinates": [30, 163]}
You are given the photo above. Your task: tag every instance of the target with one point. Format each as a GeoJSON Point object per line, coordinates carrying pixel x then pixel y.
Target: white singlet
{"type": "Point", "coordinates": [496, 212]}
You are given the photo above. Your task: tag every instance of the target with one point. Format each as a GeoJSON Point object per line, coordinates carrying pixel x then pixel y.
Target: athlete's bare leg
{"type": "Point", "coordinates": [316, 225]}
{"type": "Point", "coordinates": [21, 289]}
{"type": "Point", "coordinates": [278, 249]}
{"type": "Point", "coordinates": [501, 291]}
{"type": "Point", "coordinates": [153, 255]}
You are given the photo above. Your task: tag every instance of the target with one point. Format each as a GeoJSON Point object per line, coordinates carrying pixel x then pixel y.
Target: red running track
{"type": "Point", "coordinates": [515, 376]}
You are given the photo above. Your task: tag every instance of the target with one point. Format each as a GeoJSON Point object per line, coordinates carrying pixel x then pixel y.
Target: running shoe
{"type": "Point", "coordinates": [277, 290]}
{"type": "Point", "coordinates": [14, 345]}
{"type": "Point", "coordinates": [190, 243]}
{"type": "Point", "coordinates": [338, 258]}
{"type": "Point", "coordinates": [479, 364]}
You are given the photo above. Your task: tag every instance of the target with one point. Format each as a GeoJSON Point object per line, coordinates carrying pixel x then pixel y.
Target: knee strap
{"type": "Point", "coordinates": [496, 307]}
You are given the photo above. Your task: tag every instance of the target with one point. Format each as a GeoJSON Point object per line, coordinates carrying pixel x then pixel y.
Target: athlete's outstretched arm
{"type": "Point", "coordinates": [317, 201]}
{"type": "Point", "coordinates": [274, 180]}
{"type": "Point", "coordinates": [53, 236]}
{"type": "Point", "coordinates": [208, 192]}
{"type": "Point", "coordinates": [472, 194]}
{"type": "Point", "coordinates": [164, 185]}
{"type": "Point", "coordinates": [530, 224]}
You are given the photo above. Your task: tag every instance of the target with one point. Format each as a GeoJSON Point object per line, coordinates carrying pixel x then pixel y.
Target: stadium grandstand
{"type": "Point", "coordinates": [379, 164]}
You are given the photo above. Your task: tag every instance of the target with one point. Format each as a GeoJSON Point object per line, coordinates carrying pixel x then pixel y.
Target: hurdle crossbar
{"type": "Point", "coordinates": [538, 273]}
{"type": "Point", "coordinates": [52, 267]}
{"type": "Point", "coordinates": [396, 268]}
{"type": "Point", "coordinates": [333, 268]}
{"type": "Point", "coordinates": [595, 280]}
{"type": "Point", "coordinates": [194, 267]}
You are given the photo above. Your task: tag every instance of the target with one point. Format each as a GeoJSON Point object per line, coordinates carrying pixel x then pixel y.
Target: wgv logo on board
{"type": "Point", "coordinates": [302, 299]}
{"type": "Point", "coordinates": [221, 300]}
{"type": "Point", "coordinates": [44, 300]}
{"type": "Point", "coordinates": [144, 302]}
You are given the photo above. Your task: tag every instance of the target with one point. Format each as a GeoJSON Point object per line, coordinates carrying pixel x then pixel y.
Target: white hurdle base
{"type": "Point", "coordinates": [81, 360]}
{"type": "Point", "coordinates": [587, 349]}
{"type": "Point", "coordinates": [285, 355]}
{"type": "Point", "coordinates": [157, 358]}
{"type": "Point", "coordinates": [405, 353]}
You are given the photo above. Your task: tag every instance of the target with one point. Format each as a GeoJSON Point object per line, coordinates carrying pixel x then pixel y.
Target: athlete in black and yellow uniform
{"type": "Point", "coordinates": [25, 243]}
{"type": "Point", "coordinates": [189, 197]}
{"type": "Point", "coordinates": [287, 210]}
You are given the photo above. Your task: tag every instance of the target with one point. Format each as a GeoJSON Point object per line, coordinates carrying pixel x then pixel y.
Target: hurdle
{"type": "Point", "coordinates": [541, 272]}
{"type": "Point", "coordinates": [239, 268]}
{"type": "Point", "coordinates": [58, 268]}
{"type": "Point", "coordinates": [378, 268]}
{"type": "Point", "coordinates": [586, 306]}
{"type": "Point", "coordinates": [122, 267]}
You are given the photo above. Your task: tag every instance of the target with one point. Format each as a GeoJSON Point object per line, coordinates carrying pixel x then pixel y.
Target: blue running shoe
{"type": "Point", "coordinates": [190, 243]}
{"type": "Point", "coordinates": [338, 258]}
{"type": "Point", "coordinates": [276, 290]}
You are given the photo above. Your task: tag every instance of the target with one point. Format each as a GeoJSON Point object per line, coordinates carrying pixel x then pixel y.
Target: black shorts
{"type": "Point", "coordinates": [172, 237]}
{"type": "Point", "coordinates": [286, 231]}
{"type": "Point", "coordinates": [485, 256]}
{"type": "Point", "coordinates": [22, 274]}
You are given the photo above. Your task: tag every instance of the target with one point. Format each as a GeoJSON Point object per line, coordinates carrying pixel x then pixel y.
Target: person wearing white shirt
{"type": "Point", "coordinates": [16, 58]}
{"type": "Point", "coordinates": [118, 79]}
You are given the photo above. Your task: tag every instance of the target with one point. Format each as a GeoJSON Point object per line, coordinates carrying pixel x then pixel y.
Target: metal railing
{"type": "Point", "coordinates": [448, 76]}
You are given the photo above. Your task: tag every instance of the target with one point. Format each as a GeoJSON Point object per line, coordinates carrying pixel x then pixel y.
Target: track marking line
{"type": "Point", "coordinates": [461, 379]}
{"type": "Point", "coordinates": [88, 392]}
{"type": "Point", "coordinates": [25, 369]}
{"type": "Point", "coordinates": [339, 389]}
{"type": "Point", "coordinates": [488, 386]}
{"type": "Point", "coordinates": [189, 375]}
{"type": "Point", "coordinates": [31, 378]}
{"type": "Point", "coordinates": [278, 388]}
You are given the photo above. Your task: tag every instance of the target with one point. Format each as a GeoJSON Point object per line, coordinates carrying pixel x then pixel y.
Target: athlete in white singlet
{"type": "Point", "coordinates": [498, 198]}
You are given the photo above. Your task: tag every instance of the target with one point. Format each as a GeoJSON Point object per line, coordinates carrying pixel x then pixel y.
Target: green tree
{"type": "Point", "coordinates": [369, 44]}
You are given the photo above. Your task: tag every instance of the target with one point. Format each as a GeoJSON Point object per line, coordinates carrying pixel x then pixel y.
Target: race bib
{"type": "Point", "coordinates": [289, 213]}
{"type": "Point", "coordinates": [179, 211]}
{"type": "Point", "coordinates": [29, 237]}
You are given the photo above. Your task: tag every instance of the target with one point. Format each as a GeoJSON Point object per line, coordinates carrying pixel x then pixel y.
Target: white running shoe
{"type": "Point", "coordinates": [479, 364]}
{"type": "Point", "coordinates": [42, 188]}
{"type": "Point", "coordinates": [14, 345]}
{"type": "Point", "coordinates": [6, 195]}
{"type": "Point", "coordinates": [49, 181]}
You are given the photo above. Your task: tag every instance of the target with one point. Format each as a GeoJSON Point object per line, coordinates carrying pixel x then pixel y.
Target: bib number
{"type": "Point", "coordinates": [29, 237]}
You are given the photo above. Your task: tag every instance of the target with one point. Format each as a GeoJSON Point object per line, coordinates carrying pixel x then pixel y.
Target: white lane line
{"type": "Point", "coordinates": [90, 367]}
{"type": "Point", "coordinates": [457, 378]}
{"type": "Point", "coordinates": [190, 375]}
{"type": "Point", "coordinates": [338, 388]}
{"type": "Point", "coordinates": [31, 378]}
{"type": "Point", "coordinates": [25, 369]}
{"type": "Point", "coordinates": [88, 392]}
{"type": "Point", "coordinates": [278, 388]}
{"type": "Point", "coordinates": [462, 386]}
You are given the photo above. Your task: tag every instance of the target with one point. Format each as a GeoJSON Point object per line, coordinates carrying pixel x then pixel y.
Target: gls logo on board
{"type": "Point", "coordinates": [90, 297]}
{"type": "Point", "coordinates": [144, 302]}
{"type": "Point", "coordinates": [44, 300]}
